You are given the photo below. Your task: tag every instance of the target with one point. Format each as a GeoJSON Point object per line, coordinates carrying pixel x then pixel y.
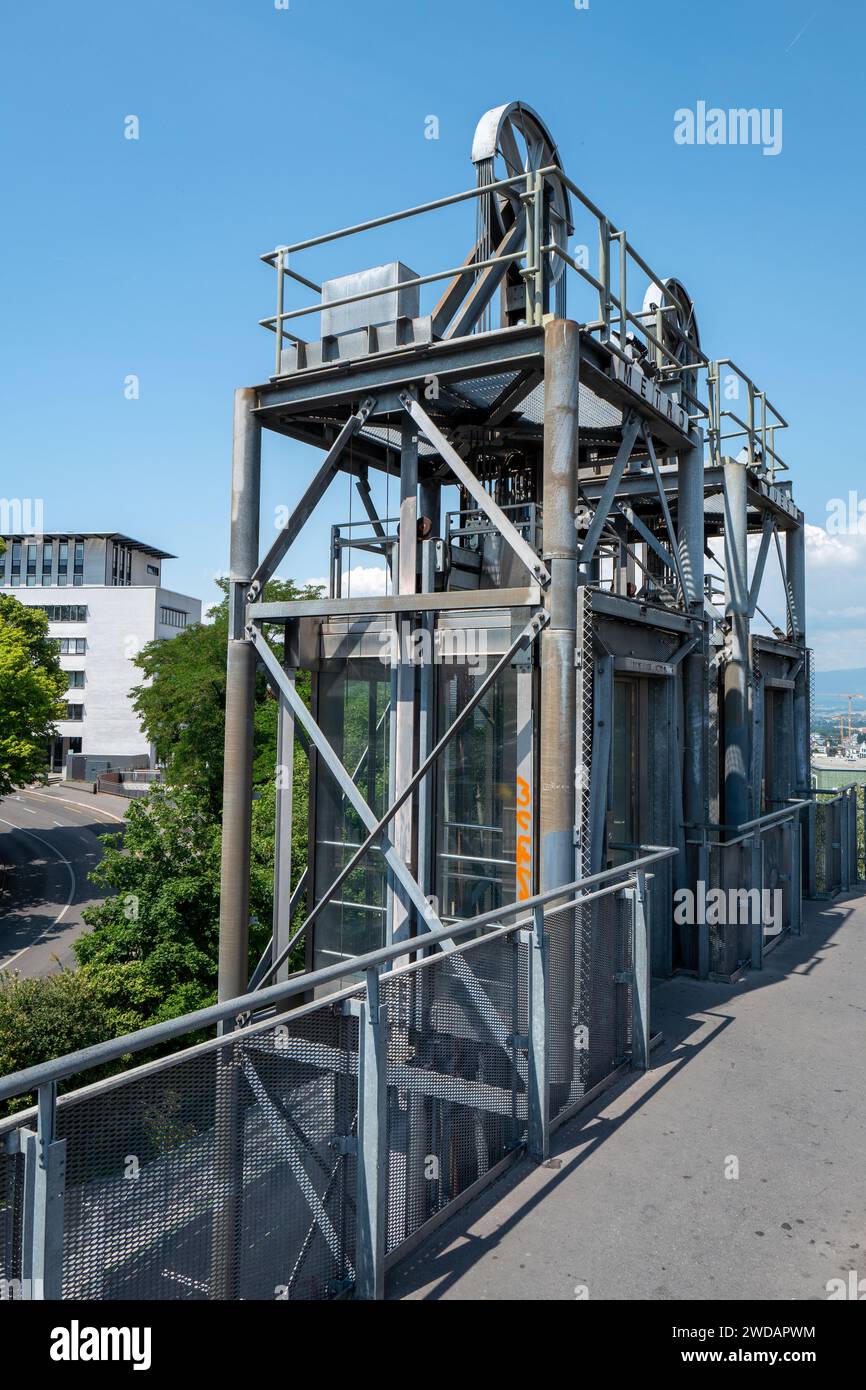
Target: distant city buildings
{"type": "Point", "coordinates": [104, 599]}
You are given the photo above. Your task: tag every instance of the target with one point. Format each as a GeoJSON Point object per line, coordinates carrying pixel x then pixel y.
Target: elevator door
{"type": "Point", "coordinates": [624, 812]}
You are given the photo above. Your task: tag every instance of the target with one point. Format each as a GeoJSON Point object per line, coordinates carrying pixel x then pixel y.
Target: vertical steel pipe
{"type": "Point", "coordinates": [737, 741]}
{"type": "Point", "coordinates": [557, 723]}
{"type": "Point", "coordinates": [240, 689]}
{"type": "Point", "coordinates": [795, 568]}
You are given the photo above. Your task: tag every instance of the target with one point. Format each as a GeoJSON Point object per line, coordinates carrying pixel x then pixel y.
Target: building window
{"type": "Point", "coordinates": [173, 617]}
{"type": "Point", "coordinates": [75, 712]}
{"type": "Point", "coordinates": [47, 558]}
{"type": "Point", "coordinates": [78, 565]}
{"type": "Point", "coordinates": [31, 566]}
{"type": "Point", "coordinates": [75, 680]}
{"type": "Point", "coordinates": [153, 569]}
{"type": "Point", "coordinates": [16, 562]}
{"type": "Point", "coordinates": [65, 612]}
{"type": "Point", "coordinates": [62, 563]}
{"type": "Point", "coordinates": [73, 646]}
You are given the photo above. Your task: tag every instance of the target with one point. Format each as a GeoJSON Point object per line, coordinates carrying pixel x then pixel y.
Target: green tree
{"type": "Point", "coordinates": [181, 704]}
{"type": "Point", "coordinates": [31, 685]}
{"type": "Point", "coordinates": [43, 1018]}
{"type": "Point", "coordinates": [153, 947]}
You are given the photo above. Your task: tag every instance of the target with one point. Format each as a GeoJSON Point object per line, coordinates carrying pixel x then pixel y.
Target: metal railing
{"type": "Point", "coordinates": [840, 854]}
{"type": "Point", "coordinates": [755, 873]}
{"type": "Point", "coordinates": [608, 264]}
{"type": "Point", "coordinates": [304, 1148]}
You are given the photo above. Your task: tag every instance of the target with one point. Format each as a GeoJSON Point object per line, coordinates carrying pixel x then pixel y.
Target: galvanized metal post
{"type": "Point", "coordinates": [240, 691]}
{"type": "Point", "coordinates": [538, 1080]}
{"type": "Point", "coordinates": [703, 877]}
{"type": "Point", "coordinates": [283, 831]}
{"type": "Point", "coordinates": [737, 742]}
{"type": "Point", "coordinates": [690, 540]}
{"type": "Point", "coordinates": [796, 868]}
{"type": "Point", "coordinates": [372, 1200]}
{"type": "Point", "coordinates": [236, 838]}
{"type": "Point", "coordinates": [557, 726]}
{"type": "Point", "coordinates": [641, 989]}
{"type": "Point", "coordinates": [404, 715]}
{"type": "Point", "coordinates": [756, 880]}
{"type": "Point", "coordinates": [811, 874]}
{"type": "Point", "coordinates": [44, 1184]}
{"type": "Point", "coordinates": [429, 508]}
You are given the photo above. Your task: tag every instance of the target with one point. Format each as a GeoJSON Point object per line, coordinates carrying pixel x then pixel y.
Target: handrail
{"type": "Point", "coordinates": [99, 1054]}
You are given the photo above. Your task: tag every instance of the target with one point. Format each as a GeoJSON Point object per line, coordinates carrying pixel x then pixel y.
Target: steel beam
{"type": "Point", "coordinates": [528, 597]}
{"type": "Point", "coordinates": [310, 500]}
{"type": "Point", "coordinates": [630, 427]}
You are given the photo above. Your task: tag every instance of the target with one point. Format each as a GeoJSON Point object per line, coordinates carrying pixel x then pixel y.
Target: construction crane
{"type": "Point", "coordinates": [851, 699]}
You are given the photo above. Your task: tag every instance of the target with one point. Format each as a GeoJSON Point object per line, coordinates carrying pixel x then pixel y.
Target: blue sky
{"type": "Point", "coordinates": [261, 125]}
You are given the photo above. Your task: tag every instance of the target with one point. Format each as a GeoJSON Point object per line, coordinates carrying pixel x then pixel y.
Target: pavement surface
{"type": "Point", "coordinates": [48, 845]}
{"type": "Point", "coordinates": [734, 1169]}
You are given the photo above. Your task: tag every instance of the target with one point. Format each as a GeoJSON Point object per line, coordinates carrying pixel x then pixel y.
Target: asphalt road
{"type": "Point", "coordinates": [48, 845]}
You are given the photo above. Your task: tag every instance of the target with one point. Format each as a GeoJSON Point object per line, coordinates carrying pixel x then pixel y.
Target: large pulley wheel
{"type": "Point", "coordinates": [511, 140]}
{"type": "Point", "coordinates": [679, 331]}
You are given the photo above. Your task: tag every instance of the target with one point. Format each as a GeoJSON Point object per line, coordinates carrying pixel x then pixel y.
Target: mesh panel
{"type": "Point", "coordinates": [11, 1195]}
{"type": "Point", "coordinates": [456, 1075]}
{"type": "Point", "coordinates": [587, 1047]}
{"type": "Point", "coordinates": [730, 868]}
{"type": "Point", "coordinates": [218, 1175]}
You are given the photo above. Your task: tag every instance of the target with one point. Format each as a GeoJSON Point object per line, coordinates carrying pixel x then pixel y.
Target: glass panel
{"type": "Point", "coordinates": [476, 796]}
{"type": "Point", "coordinates": [353, 710]}
{"type": "Point", "coordinates": [623, 821]}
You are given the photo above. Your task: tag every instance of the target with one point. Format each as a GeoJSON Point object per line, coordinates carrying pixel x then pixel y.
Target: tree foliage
{"type": "Point", "coordinates": [153, 947]}
{"type": "Point", "coordinates": [181, 703]}
{"type": "Point", "coordinates": [31, 685]}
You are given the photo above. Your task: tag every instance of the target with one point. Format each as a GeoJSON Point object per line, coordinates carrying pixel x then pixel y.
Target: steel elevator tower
{"type": "Point", "coordinates": [552, 677]}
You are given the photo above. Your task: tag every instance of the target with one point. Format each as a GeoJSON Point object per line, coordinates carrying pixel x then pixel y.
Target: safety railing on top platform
{"type": "Point", "coordinates": [308, 1145]}
{"type": "Point", "coordinates": [660, 332]}
{"type": "Point", "coordinates": [840, 839]}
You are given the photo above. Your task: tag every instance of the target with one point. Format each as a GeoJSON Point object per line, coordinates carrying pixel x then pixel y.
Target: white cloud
{"type": "Point", "coordinates": [362, 581]}
{"type": "Point", "coordinates": [835, 613]}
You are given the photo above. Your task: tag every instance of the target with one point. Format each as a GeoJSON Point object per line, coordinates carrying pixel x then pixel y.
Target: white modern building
{"type": "Point", "coordinates": [104, 598]}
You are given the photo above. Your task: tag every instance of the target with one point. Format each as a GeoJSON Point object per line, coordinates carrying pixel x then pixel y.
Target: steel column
{"type": "Point", "coordinates": [557, 727]}
{"type": "Point", "coordinates": [282, 921]}
{"type": "Point", "coordinates": [795, 566]}
{"type": "Point", "coordinates": [737, 742]}
{"type": "Point", "coordinates": [240, 692]}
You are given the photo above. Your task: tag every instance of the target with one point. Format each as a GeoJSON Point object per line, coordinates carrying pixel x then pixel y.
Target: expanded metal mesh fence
{"type": "Point", "coordinates": [729, 868]}
{"type": "Point", "coordinates": [840, 853]}
{"type": "Point", "coordinates": [242, 1167]}
{"type": "Point", "coordinates": [456, 1075]}
{"type": "Point", "coordinates": [221, 1174]}
{"type": "Point", "coordinates": [11, 1206]}
{"type": "Point", "coordinates": [597, 1037]}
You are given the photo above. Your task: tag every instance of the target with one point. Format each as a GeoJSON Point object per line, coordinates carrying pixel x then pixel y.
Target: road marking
{"type": "Point", "coordinates": [4, 965]}
{"type": "Point", "coordinates": [67, 801]}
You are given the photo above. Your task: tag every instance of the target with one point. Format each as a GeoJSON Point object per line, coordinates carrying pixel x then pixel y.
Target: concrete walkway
{"type": "Point", "coordinates": [769, 1074]}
